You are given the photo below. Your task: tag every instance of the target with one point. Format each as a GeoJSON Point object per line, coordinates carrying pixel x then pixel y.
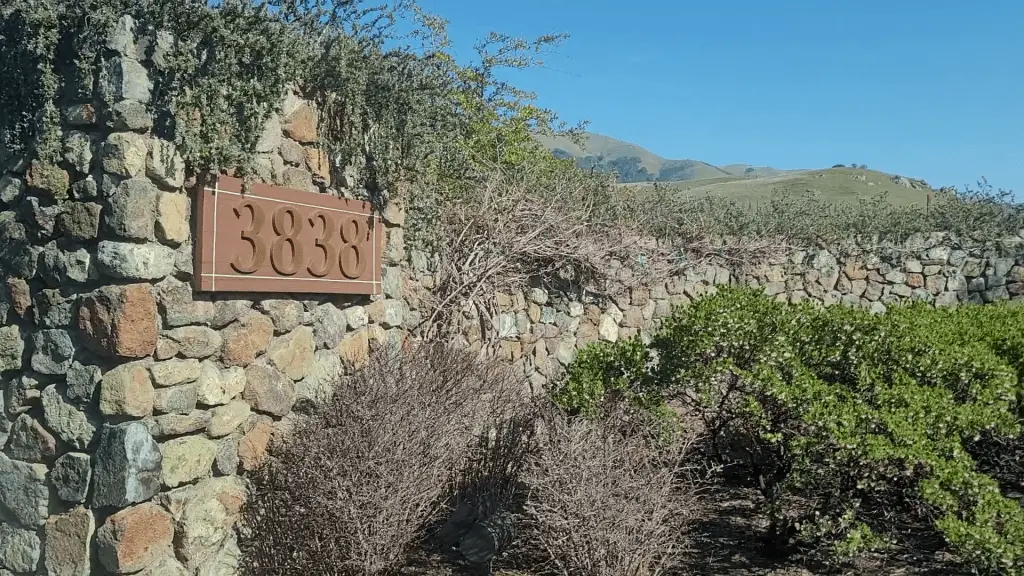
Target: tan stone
{"type": "Point", "coordinates": [292, 354]}
{"type": "Point", "coordinates": [127, 391]}
{"type": "Point", "coordinates": [247, 339]}
{"type": "Point", "coordinates": [132, 539]}
{"type": "Point", "coordinates": [355, 349]}
{"type": "Point", "coordinates": [204, 516]}
{"type": "Point", "coordinates": [226, 419]}
{"type": "Point", "coordinates": [268, 390]}
{"type": "Point", "coordinates": [319, 163]}
{"type": "Point", "coordinates": [301, 124]}
{"type": "Point", "coordinates": [915, 280]}
{"type": "Point", "coordinates": [252, 449]}
{"type": "Point", "coordinates": [187, 459]}
{"type": "Point", "coordinates": [120, 321]}
{"type": "Point", "coordinates": [172, 218]}
{"type": "Point", "coordinates": [68, 543]}
{"type": "Point", "coordinates": [855, 270]}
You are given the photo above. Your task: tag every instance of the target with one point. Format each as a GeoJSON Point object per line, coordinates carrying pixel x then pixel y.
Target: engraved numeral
{"type": "Point", "coordinates": [287, 231]}
{"type": "Point", "coordinates": [326, 243]}
{"type": "Point", "coordinates": [251, 235]}
{"type": "Point", "coordinates": [352, 263]}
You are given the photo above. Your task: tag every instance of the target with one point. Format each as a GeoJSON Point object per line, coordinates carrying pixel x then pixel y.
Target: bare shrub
{"type": "Point", "coordinates": [353, 486]}
{"type": "Point", "coordinates": [603, 501]}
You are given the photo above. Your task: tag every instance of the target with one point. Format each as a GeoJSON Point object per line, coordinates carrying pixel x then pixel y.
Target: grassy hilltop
{"type": "Point", "coordinates": [742, 183]}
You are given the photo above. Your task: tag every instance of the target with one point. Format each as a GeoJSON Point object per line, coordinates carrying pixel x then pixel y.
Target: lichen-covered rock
{"type": "Point", "coordinates": [71, 475]}
{"type": "Point", "coordinates": [292, 353]}
{"type": "Point", "coordinates": [48, 180]}
{"type": "Point", "coordinates": [218, 387]}
{"type": "Point", "coordinates": [136, 261]}
{"type": "Point", "coordinates": [166, 425]}
{"type": "Point", "coordinates": [80, 220]}
{"type": "Point", "coordinates": [286, 314]}
{"type": "Point", "coordinates": [128, 466]}
{"type": "Point", "coordinates": [132, 210]}
{"type": "Point", "coordinates": [226, 419]}
{"type": "Point", "coordinates": [174, 372]}
{"type": "Point", "coordinates": [187, 459]}
{"type": "Point", "coordinates": [19, 549]}
{"type": "Point", "coordinates": [69, 543]}
{"type": "Point", "coordinates": [127, 391]}
{"type": "Point", "coordinates": [133, 539]}
{"type": "Point", "coordinates": [181, 400]}
{"type": "Point", "coordinates": [69, 423]}
{"type": "Point", "coordinates": [195, 341]}
{"type": "Point", "coordinates": [12, 348]}
{"type": "Point", "coordinates": [30, 442]}
{"type": "Point", "coordinates": [124, 154]}
{"type": "Point", "coordinates": [128, 116]}
{"type": "Point", "coordinates": [204, 517]}
{"type": "Point", "coordinates": [24, 495]}
{"type": "Point", "coordinates": [268, 390]}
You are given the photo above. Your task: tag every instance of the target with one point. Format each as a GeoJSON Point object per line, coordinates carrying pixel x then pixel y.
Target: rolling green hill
{"type": "Point", "coordinates": [743, 183]}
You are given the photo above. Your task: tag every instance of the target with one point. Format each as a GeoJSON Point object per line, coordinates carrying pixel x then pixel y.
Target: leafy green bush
{"type": "Point", "coordinates": [861, 430]}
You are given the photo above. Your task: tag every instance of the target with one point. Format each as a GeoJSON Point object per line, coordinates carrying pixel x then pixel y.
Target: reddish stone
{"type": "Point", "coordinates": [915, 280]}
{"type": "Point", "coordinates": [252, 449]}
{"type": "Point", "coordinates": [120, 321]}
{"type": "Point", "coordinates": [21, 297]}
{"type": "Point", "coordinates": [247, 339]}
{"type": "Point", "coordinates": [319, 163]}
{"type": "Point", "coordinates": [301, 125]}
{"type": "Point", "coordinates": [855, 270]}
{"type": "Point", "coordinates": [132, 539]}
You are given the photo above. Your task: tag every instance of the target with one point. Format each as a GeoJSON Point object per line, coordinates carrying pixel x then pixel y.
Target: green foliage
{"type": "Point", "coordinates": [393, 101]}
{"type": "Point", "coordinates": [607, 372]}
{"type": "Point", "coordinates": [862, 431]}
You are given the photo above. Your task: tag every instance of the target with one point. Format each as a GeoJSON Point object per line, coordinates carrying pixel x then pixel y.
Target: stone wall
{"type": "Point", "coordinates": [541, 331]}
{"type": "Point", "coordinates": [131, 405]}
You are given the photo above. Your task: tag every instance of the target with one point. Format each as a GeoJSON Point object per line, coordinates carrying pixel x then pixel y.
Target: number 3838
{"type": "Point", "coordinates": [338, 244]}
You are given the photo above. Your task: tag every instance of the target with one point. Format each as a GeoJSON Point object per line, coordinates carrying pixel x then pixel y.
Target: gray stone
{"type": "Point", "coordinates": [57, 267]}
{"type": "Point", "coordinates": [774, 288]}
{"type": "Point", "coordinates": [121, 38]}
{"type": "Point", "coordinates": [947, 300]}
{"type": "Point", "coordinates": [896, 277]}
{"type": "Point", "coordinates": [270, 139]}
{"type": "Point", "coordinates": [80, 114]}
{"type": "Point", "coordinates": [128, 466]}
{"type": "Point", "coordinates": [136, 261]}
{"type": "Point", "coordinates": [507, 326]}
{"type": "Point", "coordinates": [41, 217]}
{"type": "Point", "coordinates": [391, 281]}
{"type": "Point", "coordinates": [995, 294]}
{"type": "Point", "coordinates": [318, 385]}
{"type": "Point", "coordinates": [69, 543]}
{"type": "Point", "coordinates": [286, 314]}
{"type": "Point", "coordinates": [124, 154]}
{"type": "Point", "coordinates": [12, 348]}
{"type": "Point", "coordinates": [175, 372]}
{"type": "Point", "coordinates": [195, 341]}
{"type": "Point", "coordinates": [268, 390]}
{"type": "Point", "coordinates": [52, 310]}
{"type": "Point", "coordinates": [921, 295]}
{"type": "Point", "coordinates": [82, 381]}
{"type": "Point", "coordinates": [995, 281]}
{"type": "Point", "coordinates": [901, 290]}
{"type": "Point", "coordinates": [226, 462]}
{"type": "Point", "coordinates": [21, 394]}
{"type": "Point", "coordinates": [913, 266]}
{"type": "Point", "coordinates": [218, 387]}
{"type": "Point", "coordinates": [608, 328]}
{"type": "Point", "coordinates": [19, 549]}
{"type": "Point", "coordinates": [123, 78]}
{"type": "Point", "coordinates": [356, 317]}
{"type": "Point", "coordinates": [329, 325]}
{"type": "Point", "coordinates": [227, 311]}
{"type": "Point", "coordinates": [938, 255]}
{"type": "Point", "coordinates": [52, 351]}
{"type": "Point", "coordinates": [183, 259]}
{"type": "Point", "coordinates": [226, 419]}
{"type": "Point", "coordinates": [81, 220]}
{"type": "Point", "coordinates": [932, 270]}
{"type": "Point", "coordinates": [956, 283]}
{"type": "Point", "coordinates": [187, 459]}
{"type": "Point", "coordinates": [226, 562]}
{"type": "Point", "coordinates": [78, 151]}
{"type": "Point", "coordinates": [166, 566]}
{"type": "Point", "coordinates": [11, 189]}
{"type": "Point", "coordinates": [133, 210]}
{"type": "Point", "coordinates": [178, 307]}
{"type": "Point", "coordinates": [30, 442]}
{"type": "Point", "coordinates": [293, 153]}
{"type": "Point", "coordinates": [69, 423]}
{"type": "Point", "coordinates": [129, 116]}
{"type": "Point", "coordinates": [166, 425]}
{"type": "Point", "coordinates": [976, 285]}
{"type": "Point", "coordinates": [71, 475]}
{"type": "Point", "coordinates": [165, 166]}
{"type": "Point", "coordinates": [180, 400]}
{"type": "Point", "coordinates": [24, 496]}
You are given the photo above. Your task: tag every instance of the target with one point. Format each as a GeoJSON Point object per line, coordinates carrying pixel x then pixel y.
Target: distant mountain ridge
{"type": "Point", "coordinates": [637, 164]}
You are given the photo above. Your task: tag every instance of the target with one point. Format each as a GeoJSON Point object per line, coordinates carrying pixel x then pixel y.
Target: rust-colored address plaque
{"type": "Point", "coordinates": [275, 239]}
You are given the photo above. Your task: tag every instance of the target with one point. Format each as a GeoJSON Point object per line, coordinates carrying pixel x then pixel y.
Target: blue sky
{"type": "Point", "coordinates": [928, 89]}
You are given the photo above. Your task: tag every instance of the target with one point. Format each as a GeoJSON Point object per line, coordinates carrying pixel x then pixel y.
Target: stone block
{"type": "Point", "coordinates": [133, 539]}
{"type": "Point", "coordinates": [128, 466]}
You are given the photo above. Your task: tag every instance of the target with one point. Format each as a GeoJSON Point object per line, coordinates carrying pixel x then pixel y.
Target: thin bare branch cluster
{"type": "Point", "coordinates": [352, 488]}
